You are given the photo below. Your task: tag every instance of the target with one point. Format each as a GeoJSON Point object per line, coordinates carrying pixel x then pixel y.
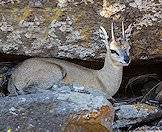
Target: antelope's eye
{"type": "Point", "coordinates": [114, 52]}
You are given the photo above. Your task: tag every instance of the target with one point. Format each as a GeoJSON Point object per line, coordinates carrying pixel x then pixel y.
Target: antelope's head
{"type": "Point", "coordinates": [119, 50]}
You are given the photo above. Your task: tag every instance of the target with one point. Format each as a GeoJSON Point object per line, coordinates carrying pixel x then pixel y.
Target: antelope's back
{"type": "Point", "coordinates": [43, 73]}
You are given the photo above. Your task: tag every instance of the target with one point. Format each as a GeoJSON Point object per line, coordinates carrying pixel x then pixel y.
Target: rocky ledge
{"type": "Point", "coordinates": [65, 108]}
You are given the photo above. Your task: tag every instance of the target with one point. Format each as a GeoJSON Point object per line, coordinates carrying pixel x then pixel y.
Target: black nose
{"type": "Point", "coordinates": [126, 59]}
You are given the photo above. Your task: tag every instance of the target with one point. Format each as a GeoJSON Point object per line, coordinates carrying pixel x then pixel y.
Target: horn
{"type": "Point", "coordinates": [123, 32]}
{"type": "Point", "coordinates": [112, 31]}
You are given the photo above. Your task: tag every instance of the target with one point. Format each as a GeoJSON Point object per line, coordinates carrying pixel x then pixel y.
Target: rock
{"type": "Point", "coordinates": [130, 114]}
{"type": "Point", "coordinates": [65, 108]}
{"type": "Point", "coordinates": [147, 128]}
{"type": "Point", "coordinates": [160, 124]}
{"type": "Point", "coordinates": [69, 28]}
{"type": "Point", "coordinates": [5, 72]}
{"type": "Point", "coordinates": [52, 29]}
{"type": "Point", "coordinates": [159, 96]}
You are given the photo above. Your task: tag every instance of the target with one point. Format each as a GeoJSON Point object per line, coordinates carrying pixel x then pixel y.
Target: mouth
{"type": "Point", "coordinates": [124, 64]}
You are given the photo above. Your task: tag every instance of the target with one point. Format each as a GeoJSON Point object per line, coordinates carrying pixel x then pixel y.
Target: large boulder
{"type": "Point", "coordinates": [50, 29]}
{"type": "Point", "coordinates": [65, 108]}
{"type": "Point", "coordinates": [69, 28]}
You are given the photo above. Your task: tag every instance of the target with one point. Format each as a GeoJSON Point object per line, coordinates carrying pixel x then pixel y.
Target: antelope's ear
{"type": "Point", "coordinates": [103, 35]}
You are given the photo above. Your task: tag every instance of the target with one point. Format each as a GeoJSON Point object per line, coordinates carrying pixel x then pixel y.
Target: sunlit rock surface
{"type": "Point", "coordinates": [65, 108]}
{"type": "Point", "coordinates": [69, 28]}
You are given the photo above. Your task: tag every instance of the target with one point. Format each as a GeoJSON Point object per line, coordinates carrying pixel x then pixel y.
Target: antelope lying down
{"type": "Point", "coordinates": [45, 72]}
